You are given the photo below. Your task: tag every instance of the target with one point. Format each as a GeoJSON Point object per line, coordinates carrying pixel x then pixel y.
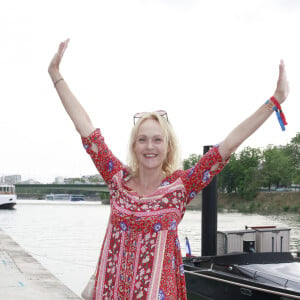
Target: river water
{"type": "Point", "coordinates": [66, 236]}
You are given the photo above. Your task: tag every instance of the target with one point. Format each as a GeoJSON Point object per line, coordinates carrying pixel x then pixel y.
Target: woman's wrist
{"type": "Point", "coordinates": [274, 105]}
{"type": "Point", "coordinates": [55, 75]}
{"type": "Point", "coordinates": [280, 95]}
{"type": "Point", "coordinates": [57, 81]}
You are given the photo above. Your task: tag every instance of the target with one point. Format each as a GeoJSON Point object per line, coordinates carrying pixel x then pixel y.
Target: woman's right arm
{"type": "Point", "coordinates": [77, 113]}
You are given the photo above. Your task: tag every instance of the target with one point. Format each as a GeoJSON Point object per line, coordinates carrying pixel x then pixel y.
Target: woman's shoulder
{"type": "Point", "coordinates": [175, 175]}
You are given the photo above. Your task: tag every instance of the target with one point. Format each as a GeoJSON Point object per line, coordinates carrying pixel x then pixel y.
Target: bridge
{"type": "Point", "coordinates": [91, 191]}
{"type": "Point", "coordinates": [38, 191]}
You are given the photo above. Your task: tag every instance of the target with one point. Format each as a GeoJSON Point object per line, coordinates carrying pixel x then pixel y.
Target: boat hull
{"type": "Point", "coordinates": [7, 201]}
{"type": "Point", "coordinates": [8, 205]}
{"type": "Point", "coordinates": [215, 278]}
{"type": "Point", "coordinates": [209, 288]}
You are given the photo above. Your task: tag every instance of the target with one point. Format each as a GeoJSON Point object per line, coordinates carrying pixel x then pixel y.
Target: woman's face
{"type": "Point", "coordinates": [150, 146]}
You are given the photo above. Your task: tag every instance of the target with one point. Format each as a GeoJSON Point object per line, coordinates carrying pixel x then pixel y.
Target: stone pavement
{"type": "Point", "coordinates": [23, 278]}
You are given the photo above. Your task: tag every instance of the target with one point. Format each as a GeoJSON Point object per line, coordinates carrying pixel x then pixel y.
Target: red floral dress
{"type": "Point", "coordinates": [140, 256]}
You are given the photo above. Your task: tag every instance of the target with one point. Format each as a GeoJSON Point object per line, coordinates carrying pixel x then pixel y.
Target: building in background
{"type": "Point", "coordinates": [30, 181]}
{"type": "Point", "coordinates": [10, 179]}
{"type": "Point", "coordinates": [59, 180]}
{"type": "Point", "coordinates": [87, 179]}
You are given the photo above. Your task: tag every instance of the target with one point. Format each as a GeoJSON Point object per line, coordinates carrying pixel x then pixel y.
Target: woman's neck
{"type": "Point", "coordinates": [147, 182]}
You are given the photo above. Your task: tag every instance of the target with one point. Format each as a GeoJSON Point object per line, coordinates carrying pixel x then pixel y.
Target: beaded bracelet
{"type": "Point", "coordinates": [270, 105]}
{"type": "Point", "coordinates": [273, 104]}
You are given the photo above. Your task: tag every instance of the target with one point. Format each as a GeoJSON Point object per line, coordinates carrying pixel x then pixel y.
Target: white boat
{"type": "Point", "coordinates": [8, 196]}
{"type": "Point", "coordinates": [65, 197]}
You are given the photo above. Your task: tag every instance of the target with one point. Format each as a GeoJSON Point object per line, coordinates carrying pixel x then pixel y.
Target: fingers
{"type": "Point", "coordinates": [282, 62]}
{"type": "Point", "coordinates": [62, 48]}
{"type": "Point", "coordinates": [282, 72]}
{"type": "Point", "coordinates": [55, 62]}
{"type": "Point", "coordinates": [282, 89]}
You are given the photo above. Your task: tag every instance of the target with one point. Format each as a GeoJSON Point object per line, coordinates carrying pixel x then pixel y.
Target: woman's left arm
{"type": "Point", "coordinates": [238, 135]}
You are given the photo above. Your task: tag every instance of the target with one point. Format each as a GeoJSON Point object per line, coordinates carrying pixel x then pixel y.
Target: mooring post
{"type": "Point", "coordinates": [209, 217]}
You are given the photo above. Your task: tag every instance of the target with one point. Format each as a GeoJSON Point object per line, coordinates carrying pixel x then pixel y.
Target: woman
{"type": "Point", "coordinates": [140, 256]}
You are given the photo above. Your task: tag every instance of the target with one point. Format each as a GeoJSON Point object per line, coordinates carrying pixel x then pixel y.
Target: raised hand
{"type": "Point", "coordinates": [72, 106]}
{"type": "Point", "coordinates": [53, 68]}
{"type": "Point", "coordinates": [282, 89]}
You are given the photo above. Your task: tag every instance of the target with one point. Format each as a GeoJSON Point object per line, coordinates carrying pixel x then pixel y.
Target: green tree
{"type": "Point", "coordinates": [241, 174]}
{"type": "Point", "coordinates": [293, 150]}
{"type": "Point", "coordinates": [249, 185]}
{"type": "Point", "coordinates": [277, 167]}
{"type": "Point", "coordinates": [191, 161]}
{"type": "Point", "coordinates": [228, 178]}
{"type": "Point", "coordinates": [253, 168]}
{"type": "Point", "coordinates": [249, 180]}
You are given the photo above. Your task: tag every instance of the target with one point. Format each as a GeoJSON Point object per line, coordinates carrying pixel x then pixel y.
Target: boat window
{"type": "Point", "coordinates": [7, 189]}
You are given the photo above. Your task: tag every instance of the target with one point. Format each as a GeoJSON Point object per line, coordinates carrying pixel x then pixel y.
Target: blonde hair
{"type": "Point", "coordinates": [172, 161]}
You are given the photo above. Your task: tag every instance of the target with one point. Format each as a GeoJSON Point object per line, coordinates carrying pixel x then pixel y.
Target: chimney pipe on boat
{"type": "Point", "coordinates": [209, 217]}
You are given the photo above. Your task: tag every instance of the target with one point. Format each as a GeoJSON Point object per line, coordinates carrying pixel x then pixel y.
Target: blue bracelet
{"type": "Point", "coordinates": [277, 114]}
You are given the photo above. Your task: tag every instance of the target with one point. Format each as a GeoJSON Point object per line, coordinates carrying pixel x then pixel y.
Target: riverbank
{"type": "Point", "coordinates": [264, 203]}
{"type": "Point", "coordinates": [23, 277]}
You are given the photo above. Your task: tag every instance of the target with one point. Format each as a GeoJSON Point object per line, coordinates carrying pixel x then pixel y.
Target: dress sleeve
{"type": "Point", "coordinates": [199, 176]}
{"type": "Point", "coordinates": [106, 163]}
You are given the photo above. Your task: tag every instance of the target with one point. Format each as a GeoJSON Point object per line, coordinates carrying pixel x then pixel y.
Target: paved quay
{"type": "Point", "coordinates": [23, 278]}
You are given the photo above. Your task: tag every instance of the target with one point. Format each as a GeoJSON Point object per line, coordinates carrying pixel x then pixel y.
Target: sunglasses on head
{"type": "Point", "coordinates": [139, 115]}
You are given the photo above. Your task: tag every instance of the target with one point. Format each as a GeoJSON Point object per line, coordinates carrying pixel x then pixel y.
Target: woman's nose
{"type": "Point", "coordinates": [149, 144]}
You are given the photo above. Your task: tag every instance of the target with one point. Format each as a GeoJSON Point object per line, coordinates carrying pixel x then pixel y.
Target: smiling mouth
{"type": "Point", "coordinates": [150, 155]}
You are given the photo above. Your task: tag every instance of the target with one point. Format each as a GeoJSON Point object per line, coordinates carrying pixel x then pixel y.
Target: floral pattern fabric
{"type": "Point", "coordinates": [141, 256]}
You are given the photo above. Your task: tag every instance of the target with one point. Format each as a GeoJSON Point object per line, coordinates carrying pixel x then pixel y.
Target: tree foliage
{"type": "Point", "coordinates": [293, 150]}
{"type": "Point", "coordinates": [191, 161]}
{"type": "Point", "coordinates": [241, 174]}
{"type": "Point", "coordinates": [277, 167]}
{"type": "Point", "coordinates": [253, 168]}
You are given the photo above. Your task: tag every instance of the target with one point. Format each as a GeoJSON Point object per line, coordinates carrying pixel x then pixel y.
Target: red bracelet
{"type": "Point", "coordinates": [278, 106]}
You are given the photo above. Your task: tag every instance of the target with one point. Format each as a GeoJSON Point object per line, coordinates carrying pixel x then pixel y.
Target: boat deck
{"type": "Point", "coordinates": [243, 275]}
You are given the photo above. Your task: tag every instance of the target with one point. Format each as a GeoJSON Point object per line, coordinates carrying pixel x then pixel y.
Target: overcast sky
{"type": "Point", "coordinates": [208, 63]}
